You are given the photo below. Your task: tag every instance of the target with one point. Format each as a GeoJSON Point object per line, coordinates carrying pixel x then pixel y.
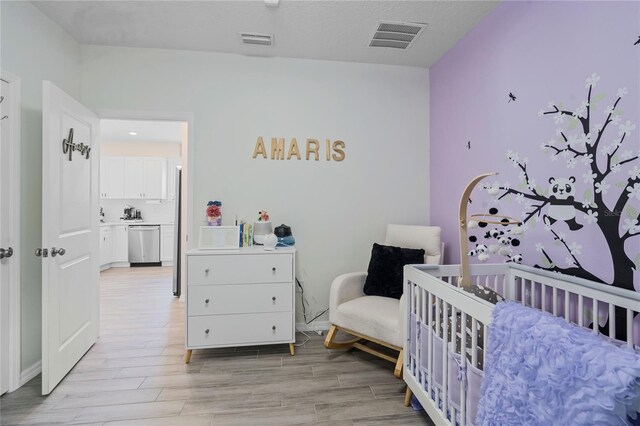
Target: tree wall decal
{"type": "Point", "coordinates": [610, 202]}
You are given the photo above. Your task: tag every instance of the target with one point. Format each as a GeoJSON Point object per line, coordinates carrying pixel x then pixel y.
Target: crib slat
{"type": "Point", "coordinates": [595, 315]}
{"type": "Point", "coordinates": [612, 321]}
{"type": "Point", "coordinates": [544, 297]}
{"type": "Point", "coordinates": [580, 310]}
{"type": "Point", "coordinates": [567, 296]}
{"type": "Point", "coordinates": [533, 293]}
{"type": "Point", "coordinates": [445, 358]}
{"type": "Point", "coordinates": [433, 322]}
{"type": "Point", "coordinates": [429, 344]}
{"type": "Point", "coordinates": [629, 328]}
{"type": "Point", "coordinates": [463, 361]}
{"type": "Point", "coordinates": [555, 301]}
{"type": "Point", "coordinates": [474, 342]}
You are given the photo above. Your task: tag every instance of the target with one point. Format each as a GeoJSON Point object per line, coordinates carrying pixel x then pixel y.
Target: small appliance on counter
{"type": "Point", "coordinates": [131, 214]}
{"type": "Point", "coordinates": [285, 238]}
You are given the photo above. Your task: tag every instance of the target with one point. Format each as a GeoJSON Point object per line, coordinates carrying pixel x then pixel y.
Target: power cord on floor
{"type": "Point", "coordinates": [304, 310]}
{"type": "Point", "coordinates": [304, 314]}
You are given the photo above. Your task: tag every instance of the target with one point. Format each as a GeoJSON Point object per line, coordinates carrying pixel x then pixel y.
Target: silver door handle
{"type": "Point", "coordinates": [55, 252]}
{"type": "Point", "coordinates": [6, 253]}
{"type": "Point", "coordinates": [42, 252]}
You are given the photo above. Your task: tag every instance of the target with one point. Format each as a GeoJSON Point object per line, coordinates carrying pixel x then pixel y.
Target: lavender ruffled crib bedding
{"type": "Point", "coordinates": [541, 370]}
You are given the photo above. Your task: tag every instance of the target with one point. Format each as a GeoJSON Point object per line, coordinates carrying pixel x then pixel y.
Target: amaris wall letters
{"type": "Point", "coordinates": [312, 149]}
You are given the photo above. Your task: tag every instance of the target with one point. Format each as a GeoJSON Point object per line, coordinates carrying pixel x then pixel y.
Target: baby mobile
{"type": "Point", "coordinates": [501, 239]}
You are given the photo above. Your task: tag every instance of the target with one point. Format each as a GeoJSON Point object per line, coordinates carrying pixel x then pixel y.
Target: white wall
{"type": "Point", "coordinates": [35, 49]}
{"type": "Point", "coordinates": [336, 210]}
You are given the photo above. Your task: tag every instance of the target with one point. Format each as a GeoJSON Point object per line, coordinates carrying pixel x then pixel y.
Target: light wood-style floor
{"type": "Point", "coordinates": [135, 374]}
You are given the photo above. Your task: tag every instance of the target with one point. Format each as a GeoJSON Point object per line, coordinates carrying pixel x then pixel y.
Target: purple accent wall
{"type": "Point", "coordinates": [542, 53]}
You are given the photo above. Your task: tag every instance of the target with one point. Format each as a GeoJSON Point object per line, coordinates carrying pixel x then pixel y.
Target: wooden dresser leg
{"type": "Point", "coordinates": [407, 397]}
{"type": "Point", "coordinates": [292, 349]}
{"type": "Point", "coordinates": [187, 357]}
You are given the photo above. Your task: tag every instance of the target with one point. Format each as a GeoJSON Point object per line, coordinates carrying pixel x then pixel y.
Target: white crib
{"type": "Point", "coordinates": [437, 304]}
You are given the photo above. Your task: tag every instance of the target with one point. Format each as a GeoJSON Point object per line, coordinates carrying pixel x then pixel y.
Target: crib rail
{"type": "Point", "coordinates": [446, 326]}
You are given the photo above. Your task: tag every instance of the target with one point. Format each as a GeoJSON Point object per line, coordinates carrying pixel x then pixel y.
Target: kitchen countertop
{"type": "Point", "coordinates": [135, 223]}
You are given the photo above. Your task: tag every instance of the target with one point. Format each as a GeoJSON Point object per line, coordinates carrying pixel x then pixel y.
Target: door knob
{"type": "Point", "coordinates": [42, 252]}
{"type": "Point", "coordinates": [55, 252]}
{"type": "Point", "coordinates": [6, 253]}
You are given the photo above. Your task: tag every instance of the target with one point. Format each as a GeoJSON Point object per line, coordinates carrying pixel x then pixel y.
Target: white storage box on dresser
{"type": "Point", "coordinates": [240, 297]}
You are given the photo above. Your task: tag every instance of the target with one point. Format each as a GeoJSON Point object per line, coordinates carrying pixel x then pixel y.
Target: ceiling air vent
{"type": "Point", "coordinates": [255, 38]}
{"type": "Point", "coordinates": [397, 35]}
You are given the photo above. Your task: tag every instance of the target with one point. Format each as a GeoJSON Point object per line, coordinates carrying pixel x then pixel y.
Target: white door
{"type": "Point", "coordinates": [9, 232]}
{"type": "Point", "coordinates": [70, 217]}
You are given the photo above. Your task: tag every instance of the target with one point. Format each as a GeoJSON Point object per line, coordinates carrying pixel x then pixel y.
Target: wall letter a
{"type": "Point", "coordinates": [260, 148]}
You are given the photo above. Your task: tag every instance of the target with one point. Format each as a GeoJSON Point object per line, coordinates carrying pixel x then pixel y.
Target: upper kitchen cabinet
{"type": "Point", "coordinates": [145, 178]}
{"type": "Point", "coordinates": [112, 177]}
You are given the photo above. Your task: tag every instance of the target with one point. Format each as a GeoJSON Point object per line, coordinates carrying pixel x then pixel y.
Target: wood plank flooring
{"type": "Point", "coordinates": [135, 374]}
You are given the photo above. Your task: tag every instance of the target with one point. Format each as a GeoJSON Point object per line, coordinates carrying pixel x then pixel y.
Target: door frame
{"type": "Point", "coordinates": [15, 350]}
{"type": "Point", "coordinates": [187, 117]}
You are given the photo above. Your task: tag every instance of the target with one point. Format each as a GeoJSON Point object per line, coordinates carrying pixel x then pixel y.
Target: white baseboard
{"type": "Point", "coordinates": [314, 326]}
{"type": "Point", "coordinates": [29, 373]}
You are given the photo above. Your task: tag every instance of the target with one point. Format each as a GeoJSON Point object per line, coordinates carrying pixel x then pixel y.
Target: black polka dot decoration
{"type": "Point", "coordinates": [493, 210]}
{"type": "Point", "coordinates": [515, 242]}
{"type": "Point", "coordinates": [505, 222]}
{"type": "Point", "coordinates": [473, 239]}
{"type": "Point", "coordinates": [482, 224]}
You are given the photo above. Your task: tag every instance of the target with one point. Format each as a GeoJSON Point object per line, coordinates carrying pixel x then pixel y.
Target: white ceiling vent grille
{"type": "Point", "coordinates": [255, 38]}
{"type": "Point", "coordinates": [397, 35]}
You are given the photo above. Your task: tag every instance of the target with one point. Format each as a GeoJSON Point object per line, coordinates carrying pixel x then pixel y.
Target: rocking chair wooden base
{"type": "Point", "coordinates": [360, 343]}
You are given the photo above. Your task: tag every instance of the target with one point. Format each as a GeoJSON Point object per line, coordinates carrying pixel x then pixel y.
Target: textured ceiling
{"type": "Point", "coordinates": [328, 30]}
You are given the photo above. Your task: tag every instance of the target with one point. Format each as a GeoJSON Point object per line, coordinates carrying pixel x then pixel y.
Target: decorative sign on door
{"type": "Point", "coordinates": [68, 146]}
{"type": "Point", "coordinates": [312, 149]}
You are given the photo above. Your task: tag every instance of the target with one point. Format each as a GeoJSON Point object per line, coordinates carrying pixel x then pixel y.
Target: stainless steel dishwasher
{"type": "Point", "coordinates": [144, 245]}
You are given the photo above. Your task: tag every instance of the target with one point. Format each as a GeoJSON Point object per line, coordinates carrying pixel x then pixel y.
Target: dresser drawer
{"type": "Point", "coordinates": [240, 298]}
{"type": "Point", "coordinates": [239, 269]}
{"type": "Point", "coordinates": [214, 330]}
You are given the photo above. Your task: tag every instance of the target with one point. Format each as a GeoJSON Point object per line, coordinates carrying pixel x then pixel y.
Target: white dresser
{"type": "Point", "coordinates": [240, 297]}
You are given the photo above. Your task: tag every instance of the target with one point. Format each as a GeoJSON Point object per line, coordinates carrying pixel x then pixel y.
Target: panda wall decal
{"type": "Point", "coordinates": [561, 198]}
{"type": "Point", "coordinates": [586, 222]}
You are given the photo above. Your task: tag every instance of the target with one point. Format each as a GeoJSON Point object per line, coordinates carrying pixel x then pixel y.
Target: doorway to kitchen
{"type": "Point", "coordinates": [144, 213]}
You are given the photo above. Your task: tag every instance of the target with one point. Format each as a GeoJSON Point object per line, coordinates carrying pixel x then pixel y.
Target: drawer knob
{"type": "Point", "coordinates": [273, 298]}
{"type": "Point", "coordinates": [206, 271]}
{"type": "Point", "coordinates": [206, 300]}
{"type": "Point", "coordinates": [206, 331]}
{"type": "Point", "coordinates": [273, 269]}
{"type": "Point", "coordinates": [273, 328]}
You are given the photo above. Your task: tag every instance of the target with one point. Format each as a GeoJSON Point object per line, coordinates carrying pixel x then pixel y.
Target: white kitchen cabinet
{"type": "Point", "coordinates": [120, 243]}
{"type": "Point", "coordinates": [172, 163]}
{"type": "Point", "coordinates": [106, 246]}
{"type": "Point", "coordinates": [145, 178]}
{"type": "Point", "coordinates": [112, 177]}
{"type": "Point", "coordinates": [166, 243]}
{"type": "Point", "coordinates": [239, 298]}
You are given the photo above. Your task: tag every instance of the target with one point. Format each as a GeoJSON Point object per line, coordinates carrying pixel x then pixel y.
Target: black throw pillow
{"type": "Point", "coordinates": [385, 273]}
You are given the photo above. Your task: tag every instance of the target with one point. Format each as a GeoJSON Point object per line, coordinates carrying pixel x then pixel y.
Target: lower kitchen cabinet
{"type": "Point", "coordinates": [240, 297]}
{"type": "Point", "coordinates": [120, 243]}
{"type": "Point", "coordinates": [106, 245]}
